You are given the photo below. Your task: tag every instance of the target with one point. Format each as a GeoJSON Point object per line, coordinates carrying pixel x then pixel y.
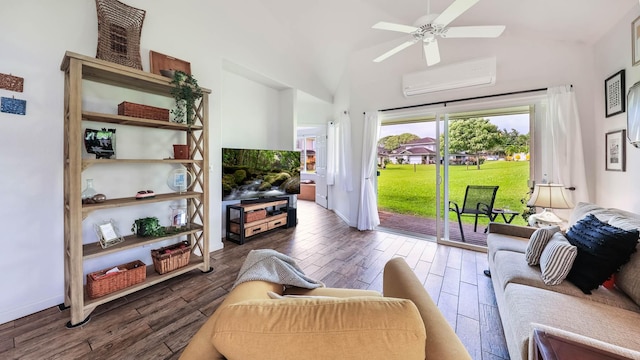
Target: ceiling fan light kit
{"type": "Point", "coordinates": [428, 27]}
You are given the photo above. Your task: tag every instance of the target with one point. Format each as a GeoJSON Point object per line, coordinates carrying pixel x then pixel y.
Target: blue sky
{"type": "Point", "coordinates": [518, 122]}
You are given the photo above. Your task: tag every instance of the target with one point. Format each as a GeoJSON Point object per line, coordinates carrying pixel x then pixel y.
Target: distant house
{"type": "Point", "coordinates": [419, 151]}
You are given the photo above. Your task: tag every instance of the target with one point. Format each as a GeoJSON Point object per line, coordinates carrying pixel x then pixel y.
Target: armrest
{"type": "Point", "coordinates": [598, 346]}
{"type": "Point", "coordinates": [399, 281]}
{"type": "Point", "coordinates": [457, 208]}
{"type": "Point", "coordinates": [512, 230]}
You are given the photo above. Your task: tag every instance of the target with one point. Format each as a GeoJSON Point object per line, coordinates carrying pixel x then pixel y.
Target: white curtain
{"type": "Point", "coordinates": [564, 143]}
{"type": "Point", "coordinates": [344, 157]}
{"type": "Point", "coordinates": [368, 217]}
{"type": "Point", "coordinates": [331, 154]}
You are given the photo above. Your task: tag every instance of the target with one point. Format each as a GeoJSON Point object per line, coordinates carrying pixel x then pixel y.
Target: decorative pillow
{"type": "Point", "coordinates": [556, 259]}
{"type": "Point", "coordinates": [602, 250]}
{"type": "Point", "coordinates": [625, 223]}
{"type": "Point", "coordinates": [583, 209]}
{"type": "Point", "coordinates": [347, 328]}
{"type": "Point", "coordinates": [537, 242]}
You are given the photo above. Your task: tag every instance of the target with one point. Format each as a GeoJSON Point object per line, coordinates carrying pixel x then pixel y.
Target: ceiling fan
{"type": "Point", "coordinates": [430, 26]}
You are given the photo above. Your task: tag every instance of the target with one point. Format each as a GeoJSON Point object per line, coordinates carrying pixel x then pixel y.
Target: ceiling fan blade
{"type": "Point", "coordinates": [431, 52]}
{"type": "Point", "coordinates": [473, 31]}
{"type": "Point", "coordinates": [453, 11]}
{"type": "Point", "coordinates": [395, 27]}
{"type": "Point", "coordinates": [395, 50]}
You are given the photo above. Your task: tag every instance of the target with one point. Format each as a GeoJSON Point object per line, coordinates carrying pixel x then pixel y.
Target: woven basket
{"type": "Point", "coordinates": [171, 257]}
{"type": "Point", "coordinates": [255, 215]}
{"type": "Point", "coordinates": [99, 283]}
{"type": "Point", "coordinates": [143, 111]}
{"type": "Point", "coordinates": [119, 30]}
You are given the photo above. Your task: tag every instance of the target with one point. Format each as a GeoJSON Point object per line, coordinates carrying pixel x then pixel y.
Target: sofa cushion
{"type": "Point", "coordinates": [360, 327]}
{"type": "Point", "coordinates": [556, 259]}
{"type": "Point", "coordinates": [537, 242]}
{"type": "Point", "coordinates": [526, 305]}
{"type": "Point", "coordinates": [628, 279]}
{"type": "Point", "coordinates": [499, 242]}
{"type": "Point", "coordinates": [511, 267]}
{"type": "Point", "coordinates": [602, 250]}
{"type": "Point", "coordinates": [583, 209]}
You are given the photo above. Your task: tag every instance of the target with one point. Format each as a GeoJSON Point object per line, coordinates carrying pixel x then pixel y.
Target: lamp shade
{"type": "Point", "coordinates": [550, 196]}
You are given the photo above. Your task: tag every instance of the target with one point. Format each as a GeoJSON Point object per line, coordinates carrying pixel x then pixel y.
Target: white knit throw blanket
{"type": "Point", "coordinates": [270, 265]}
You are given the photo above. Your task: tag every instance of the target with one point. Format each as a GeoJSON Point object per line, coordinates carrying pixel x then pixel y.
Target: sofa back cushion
{"type": "Point", "coordinates": [628, 279]}
{"type": "Point", "coordinates": [328, 328]}
{"type": "Point", "coordinates": [602, 250]}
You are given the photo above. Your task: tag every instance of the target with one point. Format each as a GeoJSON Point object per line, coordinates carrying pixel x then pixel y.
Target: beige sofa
{"type": "Point", "coordinates": [608, 319]}
{"type": "Point", "coordinates": [333, 324]}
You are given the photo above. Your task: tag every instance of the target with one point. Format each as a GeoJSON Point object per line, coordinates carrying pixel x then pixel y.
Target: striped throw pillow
{"type": "Point", "coordinates": [557, 259]}
{"type": "Point", "coordinates": [539, 239]}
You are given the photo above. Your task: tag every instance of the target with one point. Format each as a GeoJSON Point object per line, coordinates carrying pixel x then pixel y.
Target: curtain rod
{"type": "Point", "coordinates": [466, 99]}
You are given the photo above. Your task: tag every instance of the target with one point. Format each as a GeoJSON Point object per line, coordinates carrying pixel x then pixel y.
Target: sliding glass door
{"type": "Point", "coordinates": [432, 163]}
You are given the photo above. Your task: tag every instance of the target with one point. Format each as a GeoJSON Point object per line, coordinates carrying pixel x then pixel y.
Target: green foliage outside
{"type": "Point", "coordinates": [472, 136]}
{"type": "Point", "coordinates": [392, 142]}
{"type": "Point", "coordinates": [411, 189]}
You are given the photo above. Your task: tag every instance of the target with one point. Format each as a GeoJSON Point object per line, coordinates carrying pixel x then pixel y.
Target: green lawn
{"type": "Point", "coordinates": [409, 189]}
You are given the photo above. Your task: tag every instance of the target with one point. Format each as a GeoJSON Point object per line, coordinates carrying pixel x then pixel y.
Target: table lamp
{"type": "Point", "coordinates": [549, 197]}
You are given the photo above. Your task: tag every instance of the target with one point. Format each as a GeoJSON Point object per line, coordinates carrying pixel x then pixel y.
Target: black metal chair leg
{"type": "Point", "coordinates": [460, 225]}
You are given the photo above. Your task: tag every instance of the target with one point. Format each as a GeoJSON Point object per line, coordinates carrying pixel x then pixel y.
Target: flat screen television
{"type": "Point", "coordinates": [255, 174]}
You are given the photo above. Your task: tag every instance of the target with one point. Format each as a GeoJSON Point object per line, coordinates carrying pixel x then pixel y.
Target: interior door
{"type": "Point", "coordinates": [321, 170]}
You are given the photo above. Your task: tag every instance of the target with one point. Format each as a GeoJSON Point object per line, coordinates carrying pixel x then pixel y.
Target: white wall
{"type": "Point", "coordinates": [612, 54]}
{"type": "Point", "coordinates": [36, 35]}
{"type": "Point", "coordinates": [522, 64]}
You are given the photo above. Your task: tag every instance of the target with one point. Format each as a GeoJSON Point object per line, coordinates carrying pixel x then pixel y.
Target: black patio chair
{"type": "Point", "coordinates": [478, 201]}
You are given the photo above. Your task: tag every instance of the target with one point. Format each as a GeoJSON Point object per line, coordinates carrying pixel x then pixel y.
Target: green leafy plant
{"type": "Point", "coordinates": [149, 226]}
{"type": "Point", "coordinates": [185, 92]}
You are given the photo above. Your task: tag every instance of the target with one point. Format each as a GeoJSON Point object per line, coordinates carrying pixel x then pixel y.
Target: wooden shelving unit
{"type": "Point", "coordinates": [77, 68]}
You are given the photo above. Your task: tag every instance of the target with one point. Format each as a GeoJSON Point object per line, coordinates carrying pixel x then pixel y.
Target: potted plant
{"type": "Point", "coordinates": [186, 92]}
{"type": "Point", "coordinates": [149, 226]}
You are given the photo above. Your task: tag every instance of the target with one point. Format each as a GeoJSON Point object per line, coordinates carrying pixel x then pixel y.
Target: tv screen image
{"type": "Point", "coordinates": [253, 174]}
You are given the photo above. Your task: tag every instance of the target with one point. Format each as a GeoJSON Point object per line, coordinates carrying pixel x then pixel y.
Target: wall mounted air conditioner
{"type": "Point", "coordinates": [481, 72]}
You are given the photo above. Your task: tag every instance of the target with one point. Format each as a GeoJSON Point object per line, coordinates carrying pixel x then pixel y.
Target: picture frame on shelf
{"type": "Point", "coordinates": [635, 41]}
{"type": "Point", "coordinates": [614, 94]}
{"type": "Point", "coordinates": [615, 151]}
{"type": "Point", "coordinates": [108, 234]}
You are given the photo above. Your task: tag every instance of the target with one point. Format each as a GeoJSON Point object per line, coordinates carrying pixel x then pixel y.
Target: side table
{"type": "Point", "coordinates": [551, 347]}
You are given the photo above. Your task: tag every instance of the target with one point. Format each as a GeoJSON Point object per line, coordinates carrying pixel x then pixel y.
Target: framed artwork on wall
{"type": "Point", "coordinates": [635, 41]}
{"type": "Point", "coordinates": [614, 94]}
{"type": "Point", "coordinates": [615, 142]}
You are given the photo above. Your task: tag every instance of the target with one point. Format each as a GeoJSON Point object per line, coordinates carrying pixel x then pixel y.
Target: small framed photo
{"type": "Point", "coordinates": [614, 94]}
{"type": "Point", "coordinates": [615, 142]}
{"type": "Point", "coordinates": [108, 234]}
{"type": "Point", "coordinates": [635, 41]}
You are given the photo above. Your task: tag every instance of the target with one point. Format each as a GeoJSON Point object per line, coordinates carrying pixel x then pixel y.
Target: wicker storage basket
{"type": "Point", "coordinates": [143, 111]}
{"type": "Point", "coordinates": [171, 257]}
{"type": "Point", "coordinates": [255, 215]}
{"type": "Point", "coordinates": [99, 283]}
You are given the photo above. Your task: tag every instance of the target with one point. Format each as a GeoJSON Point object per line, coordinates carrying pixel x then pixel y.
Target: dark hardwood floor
{"type": "Point", "coordinates": [159, 321]}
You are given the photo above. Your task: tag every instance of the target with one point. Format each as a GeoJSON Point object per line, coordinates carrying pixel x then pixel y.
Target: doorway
{"type": "Point", "coordinates": [427, 161]}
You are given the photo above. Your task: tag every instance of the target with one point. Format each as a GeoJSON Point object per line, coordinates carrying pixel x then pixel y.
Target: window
{"type": "Point", "coordinates": [307, 147]}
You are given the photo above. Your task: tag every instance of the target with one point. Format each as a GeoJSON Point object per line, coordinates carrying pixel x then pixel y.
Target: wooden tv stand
{"type": "Point", "coordinates": [272, 214]}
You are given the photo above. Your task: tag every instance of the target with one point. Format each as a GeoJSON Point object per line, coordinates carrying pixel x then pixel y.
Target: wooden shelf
{"type": "Point", "coordinates": [94, 250]}
{"type": "Point", "coordinates": [130, 201]}
{"type": "Point", "coordinates": [132, 121]}
{"type": "Point", "coordinates": [195, 262]}
{"type": "Point", "coordinates": [119, 75]}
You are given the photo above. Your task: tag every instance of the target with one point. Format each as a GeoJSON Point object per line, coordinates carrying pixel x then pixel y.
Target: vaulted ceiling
{"type": "Point", "coordinates": [329, 31]}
